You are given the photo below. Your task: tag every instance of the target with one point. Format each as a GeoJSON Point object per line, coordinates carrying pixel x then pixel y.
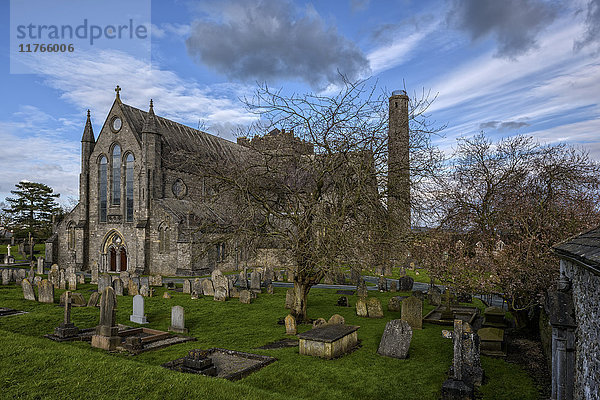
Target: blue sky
{"type": "Point", "coordinates": [505, 67]}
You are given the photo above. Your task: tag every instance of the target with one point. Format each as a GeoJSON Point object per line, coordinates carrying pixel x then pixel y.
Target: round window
{"type": "Point", "coordinates": [179, 188]}
{"type": "Point", "coordinates": [116, 124]}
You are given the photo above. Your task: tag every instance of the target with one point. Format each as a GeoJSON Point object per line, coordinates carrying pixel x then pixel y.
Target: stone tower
{"type": "Point", "coordinates": [88, 141]}
{"type": "Point", "coordinates": [398, 161]}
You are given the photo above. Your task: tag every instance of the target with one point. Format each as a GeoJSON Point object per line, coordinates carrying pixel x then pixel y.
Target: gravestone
{"type": "Point", "coordinates": [220, 293]}
{"type": "Point", "coordinates": [62, 280]}
{"type": "Point", "coordinates": [392, 286]}
{"type": "Point", "coordinates": [405, 284]}
{"type": "Point", "coordinates": [117, 284]}
{"type": "Point", "coordinates": [28, 292]}
{"type": "Point", "coordinates": [268, 276]}
{"type": "Point", "coordinates": [93, 301]}
{"type": "Point", "coordinates": [107, 333]}
{"type": "Point", "coordinates": [319, 322]}
{"type": "Point", "coordinates": [104, 281]}
{"type": "Point", "coordinates": [245, 297]}
{"type": "Point", "coordinates": [382, 284]}
{"type": "Point", "coordinates": [243, 279]}
{"type": "Point", "coordinates": [45, 292]}
{"type": "Point", "coordinates": [37, 280]}
{"type": "Point", "coordinates": [466, 371]}
{"type": "Point", "coordinates": [31, 273]}
{"type": "Point", "coordinates": [419, 295]}
{"type": "Point", "coordinates": [20, 275]}
{"type": "Point", "coordinates": [336, 319]}
{"type": "Point", "coordinates": [187, 286]}
{"type": "Point", "coordinates": [255, 281]}
{"type": "Point", "coordinates": [133, 287]}
{"type": "Point", "coordinates": [53, 276]}
{"type": "Point", "coordinates": [156, 280]}
{"type": "Point", "coordinates": [196, 287]}
{"type": "Point", "coordinates": [81, 279]}
{"type": "Point", "coordinates": [289, 298]}
{"type": "Point", "coordinates": [72, 282]}
{"type": "Point", "coordinates": [270, 289]}
{"type": "Point", "coordinates": [412, 312]}
{"type": "Point", "coordinates": [6, 274]}
{"type": "Point", "coordinates": [178, 320]}
{"type": "Point", "coordinates": [361, 307]}
{"type": "Point", "coordinates": [95, 272]}
{"type": "Point", "coordinates": [144, 291]}
{"type": "Point", "coordinates": [395, 340]}
{"type": "Point", "coordinates": [434, 296]}
{"type": "Point", "coordinates": [290, 325]}
{"type": "Point", "coordinates": [78, 300]}
{"type": "Point", "coordinates": [66, 329]}
{"type": "Point", "coordinates": [166, 295]}
{"type": "Point", "coordinates": [374, 309]}
{"type": "Point", "coordinates": [220, 284]}
{"type": "Point", "coordinates": [207, 287]}
{"type": "Point", "coordinates": [361, 288]}
{"type": "Point", "coordinates": [40, 265]}
{"type": "Point", "coordinates": [394, 304]}
{"type": "Point", "coordinates": [138, 315]}
{"type": "Point", "coordinates": [144, 280]}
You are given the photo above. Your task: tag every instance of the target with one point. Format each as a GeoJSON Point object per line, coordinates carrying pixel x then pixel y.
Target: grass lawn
{"type": "Point", "coordinates": [39, 249]}
{"type": "Point", "coordinates": [35, 367]}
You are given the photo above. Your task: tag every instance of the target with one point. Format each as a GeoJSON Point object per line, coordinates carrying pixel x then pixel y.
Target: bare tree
{"type": "Point", "coordinates": [315, 185]}
{"type": "Point", "coordinates": [504, 205]}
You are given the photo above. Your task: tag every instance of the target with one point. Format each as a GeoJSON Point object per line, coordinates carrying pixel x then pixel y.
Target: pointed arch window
{"type": "Point", "coordinates": [103, 192]}
{"type": "Point", "coordinates": [129, 188]}
{"type": "Point", "coordinates": [71, 236]}
{"type": "Point", "coordinates": [163, 238]}
{"type": "Point", "coordinates": [116, 175]}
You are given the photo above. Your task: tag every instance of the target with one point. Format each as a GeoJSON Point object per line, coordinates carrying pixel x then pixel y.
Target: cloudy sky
{"type": "Point", "coordinates": [504, 67]}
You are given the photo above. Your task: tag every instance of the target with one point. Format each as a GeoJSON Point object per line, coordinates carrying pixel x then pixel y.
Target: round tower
{"type": "Point", "coordinates": [398, 160]}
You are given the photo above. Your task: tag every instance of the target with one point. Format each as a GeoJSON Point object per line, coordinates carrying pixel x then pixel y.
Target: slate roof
{"type": "Point", "coordinates": [584, 248]}
{"type": "Point", "coordinates": [183, 138]}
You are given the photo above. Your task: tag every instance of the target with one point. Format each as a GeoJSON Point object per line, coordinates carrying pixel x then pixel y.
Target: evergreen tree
{"type": "Point", "coordinates": [32, 209]}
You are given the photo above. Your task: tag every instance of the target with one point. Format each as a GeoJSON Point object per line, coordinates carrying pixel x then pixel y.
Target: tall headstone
{"type": "Point", "coordinates": [289, 298]}
{"type": "Point", "coordinates": [382, 284]}
{"type": "Point", "coordinates": [144, 280]}
{"type": "Point", "coordinates": [18, 275]}
{"type": "Point", "coordinates": [255, 281]}
{"type": "Point", "coordinates": [434, 296]}
{"type": "Point", "coordinates": [220, 283]}
{"type": "Point", "coordinates": [28, 292]}
{"type": "Point", "coordinates": [412, 312]}
{"type": "Point", "coordinates": [243, 279]}
{"type": "Point", "coordinates": [197, 287]}
{"type": "Point", "coordinates": [290, 325]}
{"type": "Point", "coordinates": [54, 276]}
{"type": "Point", "coordinates": [374, 308]}
{"type": "Point", "coordinates": [133, 287]}
{"type": "Point", "coordinates": [94, 271]}
{"type": "Point", "coordinates": [66, 329]}
{"type": "Point", "coordinates": [62, 280]}
{"type": "Point", "coordinates": [395, 340]}
{"type": "Point", "coordinates": [187, 286]}
{"type": "Point", "coordinates": [31, 273]}
{"type": "Point", "coordinates": [72, 282]}
{"type": "Point", "coordinates": [104, 281]}
{"type": "Point", "coordinates": [81, 279]}
{"type": "Point", "coordinates": [45, 292]}
{"type": "Point", "coordinates": [138, 315]}
{"type": "Point", "coordinates": [405, 284]}
{"type": "Point", "coordinates": [117, 284]}
{"type": "Point", "coordinates": [178, 320]}
{"type": "Point", "coordinates": [361, 288]}
{"type": "Point", "coordinates": [361, 307]}
{"type": "Point", "coordinates": [107, 333]}
{"type": "Point", "coordinates": [6, 274]}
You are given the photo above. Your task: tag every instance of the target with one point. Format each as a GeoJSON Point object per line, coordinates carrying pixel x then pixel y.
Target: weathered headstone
{"type": "Point", "coordinates": [382, 284]}
{"type": "Point", "coordinates": [361, 307]}
{"type": "Point", "coordinates": [72, 282]}
{"type": "Point", "coordinates": [405, 284]}
{"type": "Point", "coordinates": [81, 279]}
{"type": "Point", "coordinates": [220, 283]}
{"type": "Point", "coordinates": [144, 291]}
{"type": "Point", "coordinates": [6, 274]}
{"type": "Point", "coordinates": [156, 280]}
{"type": "Point", "coordinates": [37, 280]}
{"type": "Point", "coordinates": [45, 292]}
{"type": "Point", "coordinates": [144, 280]}
{"type": "Point", "coordinates": [361, 288]}
{"type": "Point", "coordinates": [395, 340]}
{"type": "Point", "coordinates": [243, 279]}
{"type": "Point", "coordinates": [412, 312]}
{"type": "Point", "coordinates": [197, 287]}
{"type": "Point", "coordinates": [319, 322]}
{"type": "Point", "coordinates": [374, 308]}
{"type": "Point", "coordinates": [62, 280]}
{"type": "Point", "coordinates": [40, 265]}
{"type": "Point", "coordinates": [117, 284]}
{"type": "Point", "coordinates": [207, 287]}
{"type": "Point", "coordinates": [106, 336]}
{"type": "Point", "coordinates": [178, 320]}
{"type": "Point", "coordinates": [392, 286]}
{"type": "Point", "coordinates": [220, 293]}
{"type": "Point", "coordinates": [290, 325]}
{"type": "Point", "coordinates": [54, 276]}
{"type": "Point", "coordinates": [94, 271]}
{"type": "Point", "coordinates": [434, 296]}
{"type": "Point", "coordinates": [289, 298]}
{"type": "Point", "coordinates": [394, 304]}
{"type": "Point", "coordinates": [93, 301]}
{"type": "Point", "coordinates": [138, 315]}
{"type": "Point", "coordinates": [255, 281]}
{"type": "Point", "coordinates": [187, 286]}
{"type": "Point", "coordinates": [245, 297]}
{"type": "Point", "coordinates": [103, 282]}
{"type": "Point", "coordinates": [419, 295]}
{"type": "Point", "coordinates": [31, 273]}
{"type": "Point", "coordinates": [78, 300]}
{"type": "Point", "coordinates": [336, 319]}
{"type": "Point", "coordinates": [28, 292]}
{"type": "Point", "coordinates": [133, 287]}
{"type": "Point", "coordinates": [66, 329]}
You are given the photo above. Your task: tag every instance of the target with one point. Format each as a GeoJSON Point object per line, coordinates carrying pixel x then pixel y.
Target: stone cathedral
{"type": "Point", "coordinates": [136, 196]}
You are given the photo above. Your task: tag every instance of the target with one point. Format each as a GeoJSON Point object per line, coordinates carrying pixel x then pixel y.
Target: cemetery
{"type": "Point", "coordinates": [210, 331]}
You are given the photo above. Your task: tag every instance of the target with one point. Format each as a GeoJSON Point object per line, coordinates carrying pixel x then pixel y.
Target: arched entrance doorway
{"type": "Point", "coordinates": [114, 253]}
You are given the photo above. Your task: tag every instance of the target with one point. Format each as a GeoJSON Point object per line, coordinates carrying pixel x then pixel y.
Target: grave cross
{"type": "Point", "coordinates": [118, 89]}
{"type": "Point", "coordinates": [67, 307]}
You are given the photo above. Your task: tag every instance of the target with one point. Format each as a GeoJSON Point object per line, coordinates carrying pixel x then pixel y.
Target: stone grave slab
{"type": "Point", "coordinates": [5, 312]}
{"type": "Point", "coordinates": [464, 313]}
{"type": "Point", "coordinates": [329, 341]}
{"type": "Point", "coordinates": [229, 364]}
{"type": "Point", "coordinates": [492, 342]}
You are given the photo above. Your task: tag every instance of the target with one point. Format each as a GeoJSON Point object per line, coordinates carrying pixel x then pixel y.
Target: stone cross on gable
{"type": "Point", "coordinates": [118, 89]}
